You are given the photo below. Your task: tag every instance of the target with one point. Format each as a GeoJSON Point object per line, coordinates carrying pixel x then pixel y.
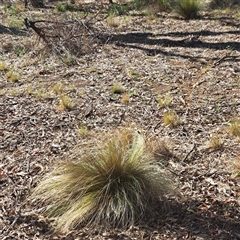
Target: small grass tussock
{"type": "Point", "coordinates": [39, 93]}
{"type": "Point", "coordinates": [125, 98]}
{"type": "Point", "coordinates": [153, 5]}
{"type": "Point", "coordinates": [82, 130]}
{"type": "Point", "coordinates": [170, 119]}
{"type": "Point", "coordinates": [117, 88]}
{"type": "Point", "coordinates": [68, 58]}
{"type": "Point", "coordinates": [111, 21]}
{"type": "Point", "coordinates": [188, 9]}
{"type": "Point", "coordinates": [118, 9]}
{"type": "Point", "coordinates": [65, 103]}
{"type": "Point", "coordinates": [13, 77]}
{"type": "Point", "coordinates": [113, 184]}
{"type": "Point", "coordinates": [3, 66]}
{"type": "Point", "coordinates": [64, 7]}
{"type": "Point", "coordinates": [234, 127]}
{"type": "Point", "coordinates": [15, 23]}
{"type": "Point", "coordinates": [215, 142]}
{"type": "Point", "coordinates": [165, 101]}
{"type": "Point", "coordinates": [19, 50]}
{"type": "Point", "coordinates": [161, 150]}
{"type": "Point", "coordinates": [58, 88]}
{"type": "Point", "coordinates": [13, 10]}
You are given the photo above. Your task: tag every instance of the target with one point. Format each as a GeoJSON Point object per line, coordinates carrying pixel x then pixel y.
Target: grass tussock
{"type": "Point", "coordinates": [114, 184]}
{"type": "Point", "coordinates": [117, 88]}
{"type": "Point", "coordinates": [215, 142]}
{"type": "Point", "coordinates": [165, 101]}
{"type": "Point", "coordinates": [112, 21]}
{"type": "Point", "coordinates": [125, 98]}
{"type": "Point", "coordinates": [170, 118]}
{"type": "Point", "coordinates": [3, 66]}
{"type": "Point", "coordinates": [65, 103]}
{"type": "Point", "coordinates": [188, 9]}
{"type": "Point", "coordinates": [12, 76]}
{"type": "Point", "coordinates": [158, 5]}
{"type": "Point", "coordinates": [234, 127]}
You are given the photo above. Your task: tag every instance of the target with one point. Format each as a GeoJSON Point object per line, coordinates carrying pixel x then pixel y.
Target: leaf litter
{"type": "Point", "coordinates": [195, 62]}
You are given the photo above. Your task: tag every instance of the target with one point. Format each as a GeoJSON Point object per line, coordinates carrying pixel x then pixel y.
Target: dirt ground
{"type": "Point", "coordinates": [162, 63]}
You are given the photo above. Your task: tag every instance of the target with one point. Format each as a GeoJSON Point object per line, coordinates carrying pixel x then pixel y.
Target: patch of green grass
{"type": "Point", "coordinates": [117, 88]}
{"type": "Point", "coordinates": [111, 185]}
{"type": "Point", "coordinates": [11, 10]}
{"type": "Point", "coordinates": [15, 22]}
{"type": "Point", "coordinates": [153, 5]}
{"type": "Point", "coordinates": [64, 7]}
{"type": "Point", "coordinates": [19, 50]}
{"type": "Point", "coordinates": [188, 9]}
{"type": "Point", "coordinates": [117, 9]}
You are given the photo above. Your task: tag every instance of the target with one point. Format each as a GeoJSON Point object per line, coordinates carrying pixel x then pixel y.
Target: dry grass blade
{"type": "Point", "coordinates": [114, 185]}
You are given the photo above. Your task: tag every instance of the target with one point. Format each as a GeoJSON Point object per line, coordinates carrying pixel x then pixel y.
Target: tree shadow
{"type": "Point", "coordinates": [12, 31]}
{"type": "Point", "coordinates": [224, 20]}
{"type": "Point", "coordinates": [154, 44]}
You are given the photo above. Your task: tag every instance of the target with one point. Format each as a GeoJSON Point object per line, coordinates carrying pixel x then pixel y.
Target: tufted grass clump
{"type": "Point", "coordinates": [65, 103]}
{"type": "Point", "coordinates": [13, 77]}
{"type": "Point", "coordinates": [113, 185]}
{"type": "Point", "coordinates": [188, 9]}
{"type": "Point", "coordinates": [171, 119]}
{"type": "Point", "coordinates": [215, 142]}
{"type": "Point", "coordinates": [117, 88]}
{"type": "Point", "coordinates": [64, 7]}
{"type": "Point", "coordinates": [234, 127]}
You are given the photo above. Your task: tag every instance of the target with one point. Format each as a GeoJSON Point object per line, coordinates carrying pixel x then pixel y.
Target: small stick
{"type": "Point", "coordinates": [185, 158]}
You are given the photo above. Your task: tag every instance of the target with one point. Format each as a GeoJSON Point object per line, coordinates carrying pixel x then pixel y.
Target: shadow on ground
{"type": "Point", "coordinates": [212, 220]}
{"type": "Point", "coordinates": [12, 31]}
{"type": "Point", "coordinates": [205, 220]}
{"type": "Point", "coordinates": [154, 44]}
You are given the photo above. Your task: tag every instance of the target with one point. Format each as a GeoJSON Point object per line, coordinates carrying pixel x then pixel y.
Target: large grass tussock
{"type": "Point", "coordinates": [114, 184]}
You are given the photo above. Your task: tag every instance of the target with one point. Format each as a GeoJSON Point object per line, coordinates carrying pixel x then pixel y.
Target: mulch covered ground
{"type": "Point", "coordinates": [195, 63]}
